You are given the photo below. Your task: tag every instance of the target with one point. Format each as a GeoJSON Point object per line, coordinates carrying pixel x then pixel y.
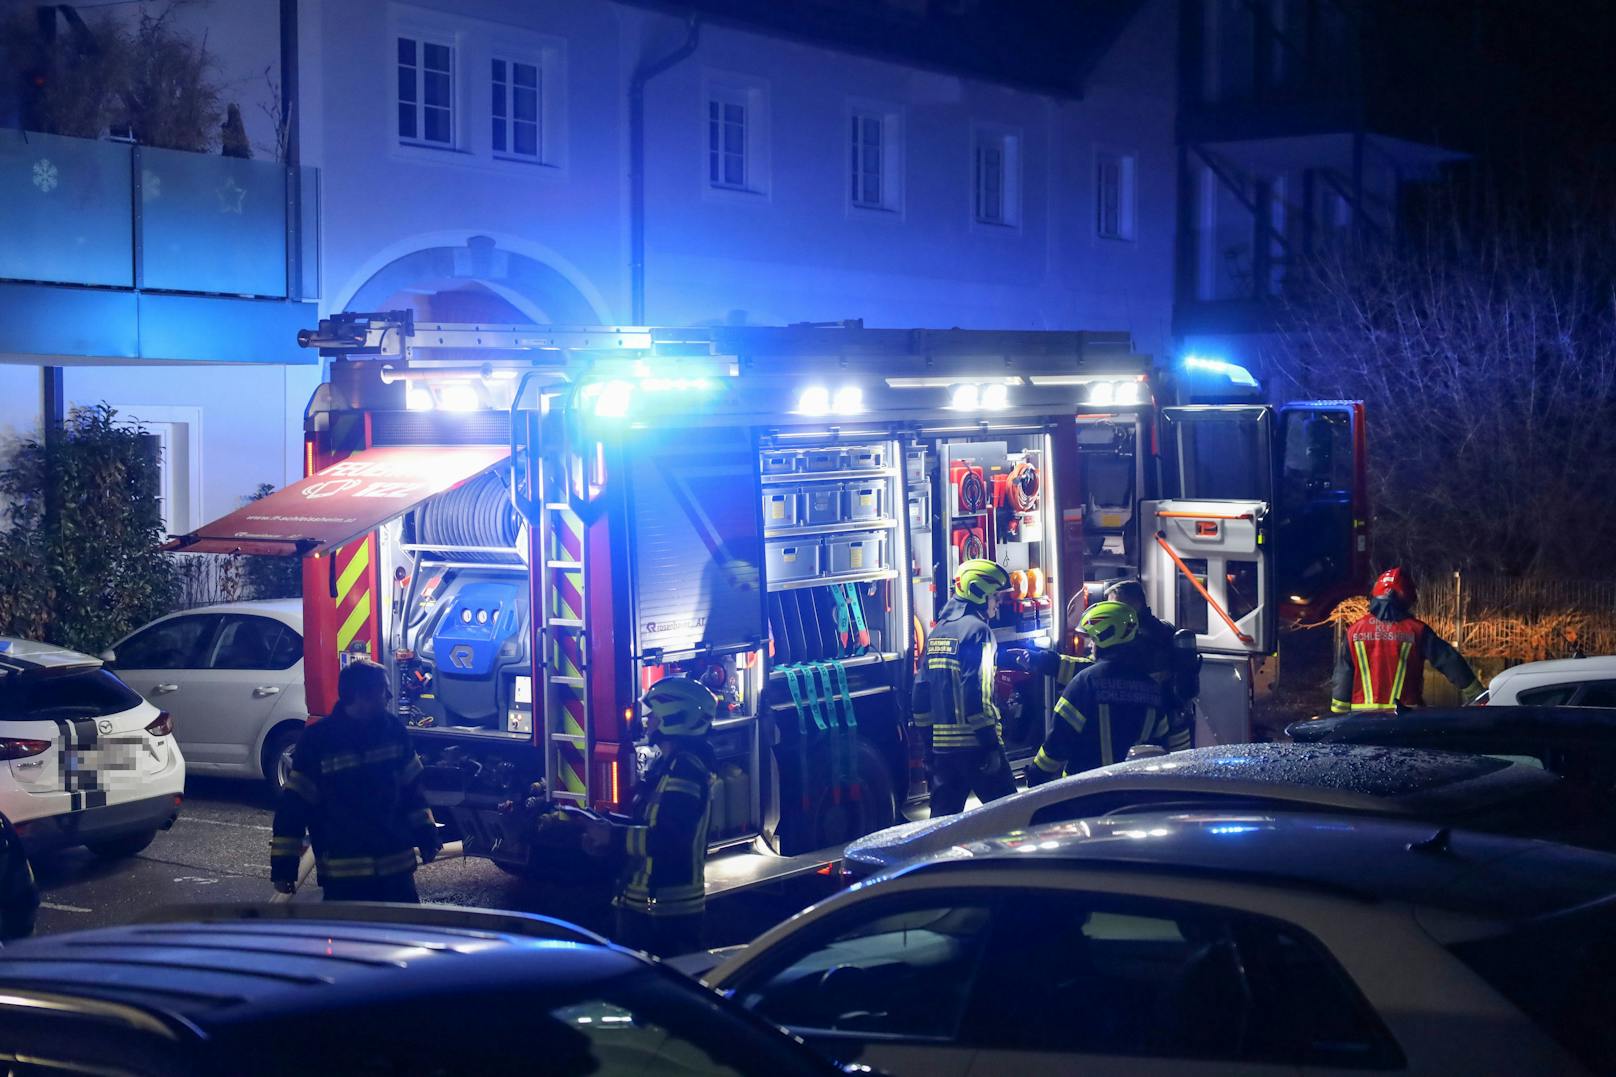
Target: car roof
{"type": "Point", "coordinates": [1460, 723]}
{"type": "Point", "coordinates": [1341, 777]}
{"type": "Point", "coordinates": [1366, 858]}
{"type": "Point", "coordinates": [26, 655]}
{"type": "Point", "coordinates": [209, 968]}
{"type": "Point", "coordinates": [281, 608]}
{"type": "Point", "coordinates": [1577, 668]}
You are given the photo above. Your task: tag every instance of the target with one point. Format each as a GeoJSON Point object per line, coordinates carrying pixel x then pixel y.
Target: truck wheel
{"type": "Point", "coordinates": [124, 847]}
{"type": "Point", "coordinates": [277, 759]}
{"type": "Point", "coordinates": [837, 822]}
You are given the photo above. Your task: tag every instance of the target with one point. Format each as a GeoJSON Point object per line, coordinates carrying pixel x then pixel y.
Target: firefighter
{"type": "Point", "coordinates": [1172, 650]}
{"type": "Point", "coordinates": [1380, 665]}
{"type": "Point", "coordinates": [355, 789]}
{"type": "Point", "coordinates": [661, 898]}
{"type": "Point", "coordinates": [1113, 704]}
{"type": "Point", "coordinates": [19, 895]}
{"type": "Point", "coordinates": [953, 697]}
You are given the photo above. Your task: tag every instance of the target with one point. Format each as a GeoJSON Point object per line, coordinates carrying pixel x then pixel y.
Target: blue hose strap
{"type": "Point", "coordinates": [861, 630]}
{"type": "Point", "coordinates": [843, 619]}
{"type": "Point", "coordinates": [855, 788]}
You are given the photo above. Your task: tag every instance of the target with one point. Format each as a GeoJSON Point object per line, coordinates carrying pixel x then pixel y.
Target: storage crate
{"type": "Point", "coordinates": [781, 463]}
{"type": "Point", "coordinates": [824, 460]}
{"type": "Point", "coordinates": [796, 559]}
{"type": "Point", "coordinates": [782, 507]}
{"type": "Point", "coordinates": [915, 465]}
{"type": "Point", "coordinates": [867, 458]}
{"type": "Point", "coordinates": [821, 504]}
{"type": "Point", "coordinates": [859, 551]}
{"type": "Point", "coordinates": [864, 500]}
{"type": "Point", "coordinates": [920, 508]}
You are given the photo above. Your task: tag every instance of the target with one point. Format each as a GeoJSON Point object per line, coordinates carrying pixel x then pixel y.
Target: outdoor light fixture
{"type": "Point", "coordinates": [1103, 393]}
{"type": "Point", "coordinates": [612, 400]}
{"type": "Point", "coordinates": [965, 398]}
{"type": "Point", "coordinates": [849, 400]}
{"type": "Point", "coordinates": [814, 400]}
{"type": "Point", "coordinates": [1127, 392]}
{"type": "Point", "coordinates": [995, 397]}
{"type": "Point", "coordinates": [458, 396]}
{"type": "Point", "coordinates": [417, 398]}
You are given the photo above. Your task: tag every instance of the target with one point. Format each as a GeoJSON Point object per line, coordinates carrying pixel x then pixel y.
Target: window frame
{"type": "Point", "coordinates": [890, 158]}
{"type": "Point", "coordinates": [752, 95]}
{"type": "Point", "coordinates": [1126, 165]}
{"type": "Point", "coordinates": [1009, 146]}
{"type": "Point", "coordinates": [512, 60]}
{"type": "Point", "coordinates": [225, 620]}
{"type": "Point", "coordinates": [423, 36]}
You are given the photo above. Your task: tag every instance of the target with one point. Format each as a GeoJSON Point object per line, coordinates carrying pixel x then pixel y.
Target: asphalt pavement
{"type": "Point", "coordinates": [218, 851]}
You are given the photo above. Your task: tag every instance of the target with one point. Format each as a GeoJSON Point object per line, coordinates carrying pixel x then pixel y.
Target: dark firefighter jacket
{"type": "Point", "coordinates": [953, 695]}
{"type": "Point", "coordinates": [1381, 661]}
{"type": "Point", "coordinates": [1182, 676]}
{"type": "Point", "coordinates": [665, 846]}
{"type": "Point", "coordinates": [355, 788]}
{"type": "Point", "coordinates": [19, 896]}
{"type": "Point", "coordinates": [1112, 704]}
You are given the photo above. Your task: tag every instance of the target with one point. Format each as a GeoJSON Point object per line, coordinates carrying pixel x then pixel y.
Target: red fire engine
{"type": "Point", "coordinates": [530, 524]}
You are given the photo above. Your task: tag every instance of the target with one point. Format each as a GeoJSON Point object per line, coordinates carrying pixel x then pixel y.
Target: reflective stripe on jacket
{"type": "Point", "coordinates": [954, 690]}
{"type": "Point", "coordinates": [355, 790]}
{"type": "Point", "coordinates": [1381, 662]}
{"type": "Point", "coordinates": [1110, 706]}
{"type": "Point", "coordinates": [665, 847]}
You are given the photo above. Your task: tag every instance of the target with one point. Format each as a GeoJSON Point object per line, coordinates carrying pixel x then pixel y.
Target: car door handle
{"type": "Point", "coordinates": [164, 689]}
{"type": "Point", "coordinates": [266, 690]}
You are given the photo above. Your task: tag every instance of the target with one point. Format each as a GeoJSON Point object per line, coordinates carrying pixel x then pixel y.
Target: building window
{"type": "Point", "coordinates": [998, 178]}
{"type": "Point", "coordinates": [726, 141]}
{"type": "Point", "coordinates": [426, 97]}
{"type": "Point", "coordinates": [1114, 196]}
{"type": "Point", "coordinates": [868, 142]}
{"type": "Point", "coordinates": [517, 99]}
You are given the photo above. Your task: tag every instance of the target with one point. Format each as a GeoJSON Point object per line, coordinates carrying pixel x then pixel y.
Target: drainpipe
{"type": "Point", "coordinates": [636, 163]}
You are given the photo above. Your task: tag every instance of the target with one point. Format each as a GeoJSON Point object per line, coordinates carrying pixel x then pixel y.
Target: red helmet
{"type": "Point", "coordinates": [1396, 583]}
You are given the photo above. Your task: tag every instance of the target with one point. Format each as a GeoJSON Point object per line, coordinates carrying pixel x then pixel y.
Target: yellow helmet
{"type": "Point", "coordinates": [980, 579]}
{"type": "Point", "coordinates": [1109, 624]}
{"type": "Point", "coordinates": [683, 707]}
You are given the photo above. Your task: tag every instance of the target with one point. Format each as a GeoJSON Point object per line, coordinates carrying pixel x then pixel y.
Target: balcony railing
{"type": "Point", "coordinates": [114, 215]}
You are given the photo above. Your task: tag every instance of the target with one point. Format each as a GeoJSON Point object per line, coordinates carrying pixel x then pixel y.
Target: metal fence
{"type": "Point", "coordinates": [1512, 620]}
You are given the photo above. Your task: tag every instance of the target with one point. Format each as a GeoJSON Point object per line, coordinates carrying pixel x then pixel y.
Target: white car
{"type": "Point", "coordinates": [1559, 682]}
{"type": "Point", "coordinates": [1207, 942]}
{"type": "Point", "coordinates": [1467, 790]}
{"type": "Point", "coordinates": [86, 760]}
{"type": "Point", "coordinates": [232, 677]}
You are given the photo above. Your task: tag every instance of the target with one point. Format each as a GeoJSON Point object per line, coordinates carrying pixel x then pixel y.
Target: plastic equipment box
{"type": "Point", "coordinates": [859, 551]}
{"type": "Point", "coordinates": [795, 559]}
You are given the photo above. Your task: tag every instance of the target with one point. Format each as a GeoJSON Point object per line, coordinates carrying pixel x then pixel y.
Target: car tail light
{"type": "Point", "coordinates": [162, 725]}
{"type": "Point", "coordinates": [18, 748]}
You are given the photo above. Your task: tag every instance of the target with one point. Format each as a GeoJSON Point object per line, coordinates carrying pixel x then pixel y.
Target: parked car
{"type": "Point", "coordinates": [368, 989]}
{"type": "Point", "coordinates": [1482, 793]}
{"type": "Point", "coordinates": [1574, 742]}
{"type": "Point", "coordinates": [1206, 941]}
{"type": "Point", "coordinates": [1559, 682]}
{"type": "Point", "coordinates": [232, 677]}
{"type": "Point", "coordinates": [86, 760]}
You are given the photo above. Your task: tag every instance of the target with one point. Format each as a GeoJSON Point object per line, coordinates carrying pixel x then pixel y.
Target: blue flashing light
{"type": "Point", "coordinates": [1232, 828]}
{"type": "Point", "coordinates": [5, 645]}
{"type": "Point", "coordinates": [613, 400]}
{"type": "Point", "coordinates": [1237, 374]}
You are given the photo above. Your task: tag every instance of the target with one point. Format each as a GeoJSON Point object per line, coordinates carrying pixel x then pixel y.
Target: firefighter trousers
{"type": "Point", "coordinates": [395, 888]}
{"type": "Point", "coordinates": [956, 775]}
{"type": "Point", "coordinates": [659, 936]}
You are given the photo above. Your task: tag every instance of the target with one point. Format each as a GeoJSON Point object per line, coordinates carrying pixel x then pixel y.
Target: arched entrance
{"type": "Point", "coordinates": [477, 282]}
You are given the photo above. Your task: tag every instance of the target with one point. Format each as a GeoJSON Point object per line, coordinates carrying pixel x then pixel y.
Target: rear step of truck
{"type": "Point", "coordinates": [753, 865]}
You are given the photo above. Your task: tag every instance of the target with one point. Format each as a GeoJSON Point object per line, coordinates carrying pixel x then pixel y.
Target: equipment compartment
{"type": "Point", "coordinates": [821, 504]}
{"type": "Point", "coordinates": [782, 507]}
{"type": "Point", "coordinates": [865, 501]}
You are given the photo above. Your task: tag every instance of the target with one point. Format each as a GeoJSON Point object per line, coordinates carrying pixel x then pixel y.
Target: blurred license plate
{"type": "Point", "coordinates": [108, 756]}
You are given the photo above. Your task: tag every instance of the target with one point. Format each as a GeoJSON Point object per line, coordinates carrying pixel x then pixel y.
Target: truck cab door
{"type": "Point", "coordinates": [1321, 507]}
{"type": "Point", "coordinates": [1205, 556]}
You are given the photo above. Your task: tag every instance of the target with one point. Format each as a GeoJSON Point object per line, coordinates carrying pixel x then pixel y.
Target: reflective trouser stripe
{"type": "Point", "coordinates": [1048, 763]}
{"type": "Point", "coordinates": [284, 846]}
{"type": "Point", "coordinates": [1106, 755]}
{"type": "Point", "coordinates": [364, 867]}
{"type": "Point", "coordinates": [300, 783]}
{"type": "Point", "coordinates": [1365, 681]}
{"type": "Point", "coordinates": [681, 900]}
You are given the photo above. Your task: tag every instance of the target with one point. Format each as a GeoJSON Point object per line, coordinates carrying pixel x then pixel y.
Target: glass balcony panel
{"type": "Point", "coordinates": [212, 224]}
{"type": "Point", "coordinates": [65, 210]}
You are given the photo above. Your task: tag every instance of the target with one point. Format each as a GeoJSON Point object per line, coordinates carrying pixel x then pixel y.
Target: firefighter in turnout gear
{"type": "Point", "coordinates": [1115, 703]}
{"type": "Point", "coordinates": [1380, 665]}
{"type": "Point", "coordinates": [661, 898]}
{"type": "Point", "coordinates": [953, 696]}
{"type": "Point", "coordinates": [355, 790]}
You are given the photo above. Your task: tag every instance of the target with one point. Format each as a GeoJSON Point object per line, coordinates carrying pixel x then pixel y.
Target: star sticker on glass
{"type": "Point", "coordinates": [232, 196]}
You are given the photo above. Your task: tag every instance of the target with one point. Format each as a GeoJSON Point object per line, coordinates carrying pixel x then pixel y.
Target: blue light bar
{"type": "Point", "coordinates": [1237, 374]}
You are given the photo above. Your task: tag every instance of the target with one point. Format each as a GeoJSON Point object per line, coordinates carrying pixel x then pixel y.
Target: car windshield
{"type": "Point", "coordinates": [1561, 972]}
{"type": "Point", "coordinates": [64, 695]}
{"type": "Point", "coordinates": [643, 1022]}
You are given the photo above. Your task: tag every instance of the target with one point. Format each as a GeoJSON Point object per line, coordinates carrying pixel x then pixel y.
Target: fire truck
{"type": "Point", "coordinates": [529, 525]}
